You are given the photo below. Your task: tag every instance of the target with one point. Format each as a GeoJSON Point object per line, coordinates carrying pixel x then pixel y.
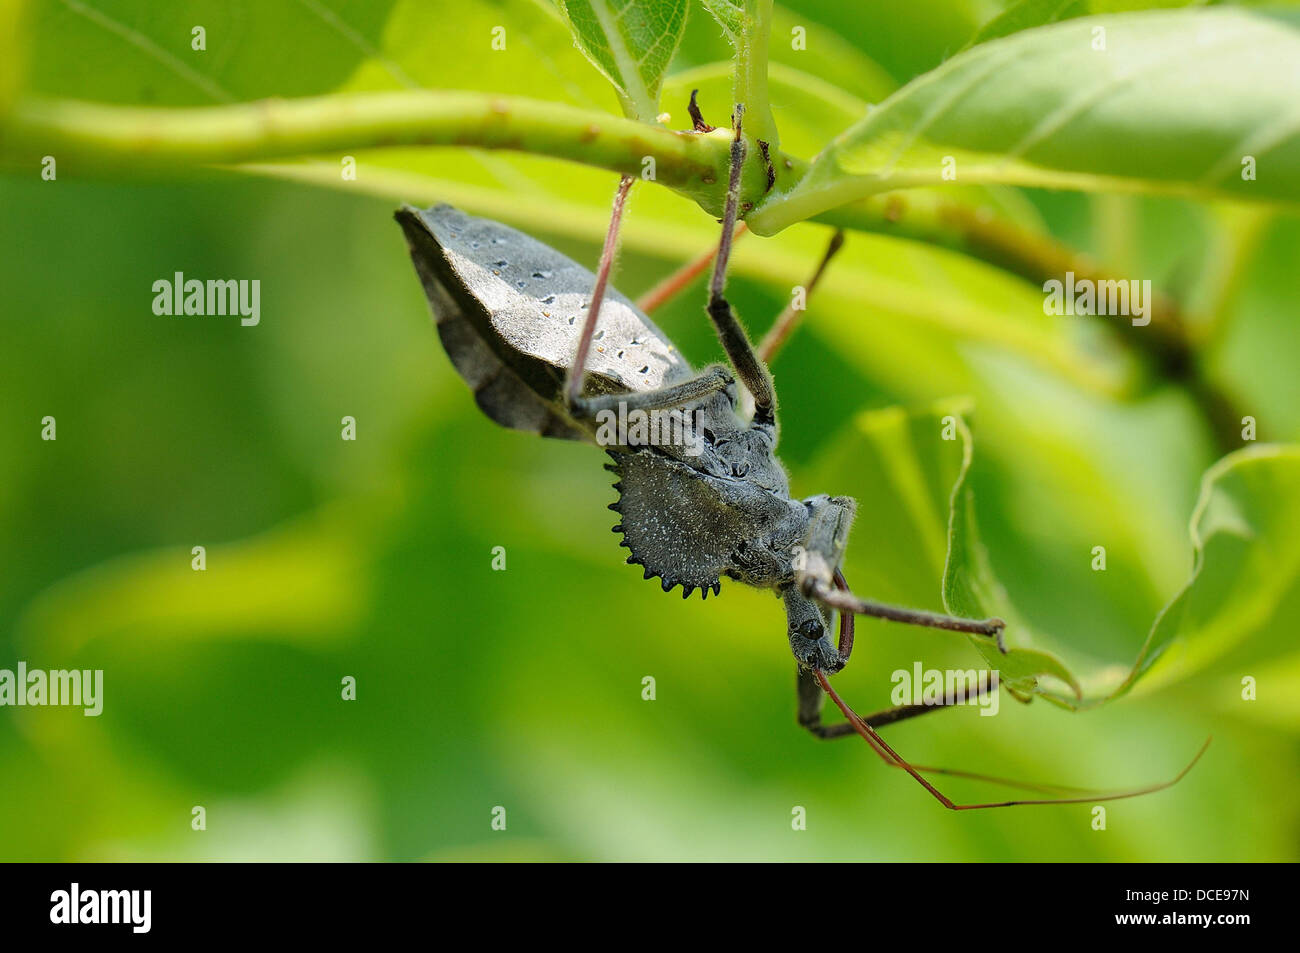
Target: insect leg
{"type": "Point", "coordinates": [811, 698]}
{"type": "Point", "coordinates": [785, 324]}
{"type": "Point", "coordinates": [749, 368]}
{"type": "Point", "coordinates": [712, 379]}
{"type": "Point", "coordinates": [891, 757]}
{"type": "Point", "coordinates": [578, 372]}
{"type": "Point", "coordinates": [846, 601]}
{"type": "Point", "coordinates": [823, 550]}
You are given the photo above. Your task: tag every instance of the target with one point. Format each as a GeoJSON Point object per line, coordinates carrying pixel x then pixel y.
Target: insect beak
{"type": "Point", "coordinates": [809, 641]}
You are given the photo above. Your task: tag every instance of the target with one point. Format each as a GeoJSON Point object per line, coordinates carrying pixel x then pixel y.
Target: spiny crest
{"type": "Point", "coordinates": [657, 529]}
{"type": "Point", "coordinates": [690, 528]}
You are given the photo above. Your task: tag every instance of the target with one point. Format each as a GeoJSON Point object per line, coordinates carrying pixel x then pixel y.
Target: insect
{"type": "Point", "coordinates": [547, 347]}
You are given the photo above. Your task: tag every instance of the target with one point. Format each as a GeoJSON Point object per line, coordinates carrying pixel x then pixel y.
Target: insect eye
{"type": "Point", "coordinates": [812, 630]}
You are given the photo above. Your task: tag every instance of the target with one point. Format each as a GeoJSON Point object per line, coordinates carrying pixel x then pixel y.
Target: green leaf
{"type": "Point", "coordinates": [1172, 104]}
{"type": "Point", "coordinates": [1235, 608]}
{"type": "Point", "coordinates": [731, 16]}
{"type": "Point", "coordinates": [970, 589]}
{"type": "Point", "coordinates": [631, 44]}
{"type": "Point", "coordinates": [133, 51]}
{"type": "Point", "coordinates": [908, 470]}
{"type": "Point", "coordinates": [1025, 14]}
{"type": "Point", "coordinates": [133, 54]}
{"type": "Point", "coordinates": [138, 53]}
{"type": "Point", "coordinates": [1241, 601]}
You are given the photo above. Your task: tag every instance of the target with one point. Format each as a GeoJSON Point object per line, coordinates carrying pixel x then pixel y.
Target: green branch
{"type": "Point", "coordinates": [751, 72]}
{"type": "Point", "coordinates": [96, 139]}
{"type": "Point", "coordinates": [1167, 347]}
{"type": "Point", "coordinates": [93, 138]}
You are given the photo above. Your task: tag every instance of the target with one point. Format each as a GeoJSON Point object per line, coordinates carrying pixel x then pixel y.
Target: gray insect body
{"type": "Point", "coordinates": [509, 312]}
{"type": "Point", "coordinates": [543, 351]}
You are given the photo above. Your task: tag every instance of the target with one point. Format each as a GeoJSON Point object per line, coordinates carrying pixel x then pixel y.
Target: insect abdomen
{"type": "Point", "coordinates": [498, 391]}
{"type": "Point", "coordinates": [505, 300]}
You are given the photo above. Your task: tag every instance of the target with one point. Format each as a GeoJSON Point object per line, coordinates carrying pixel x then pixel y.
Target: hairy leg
{"type": "Point", "coordinates": [749, 368]}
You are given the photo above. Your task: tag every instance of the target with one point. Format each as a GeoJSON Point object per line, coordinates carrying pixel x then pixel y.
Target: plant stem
{"type": "Point", "coordinates": [93, 138]}
{"type": "Point", "coordinates": [751, 72]}
{"type": "Point", "coordinates": [96, 139]}
{"type": "Point", "coordinates": [1167, 346]}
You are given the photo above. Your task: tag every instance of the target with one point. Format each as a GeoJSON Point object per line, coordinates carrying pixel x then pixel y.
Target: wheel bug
{"type": "Point", "coordinates": [510, 314]}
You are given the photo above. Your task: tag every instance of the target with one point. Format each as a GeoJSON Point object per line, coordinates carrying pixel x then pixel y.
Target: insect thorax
{"type": "Point", "coordinates": [724, 511]}
{"type": "Point", "coordinates": [508, 310]}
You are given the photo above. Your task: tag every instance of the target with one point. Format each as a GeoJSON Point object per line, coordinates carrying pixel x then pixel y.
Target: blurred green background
{"type": "Point", "coordinates": [478, 688]}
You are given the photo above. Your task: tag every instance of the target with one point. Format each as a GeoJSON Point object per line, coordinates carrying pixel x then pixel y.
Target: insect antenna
{"type": "Point", "coordinates": [894, 759]}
